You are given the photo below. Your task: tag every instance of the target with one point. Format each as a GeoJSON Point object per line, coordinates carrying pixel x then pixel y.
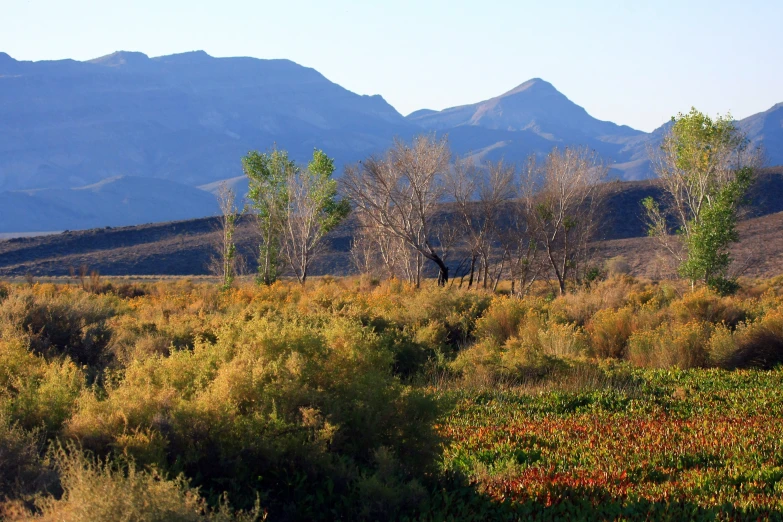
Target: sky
{"type": "Point", "coordinates": [631, 62]}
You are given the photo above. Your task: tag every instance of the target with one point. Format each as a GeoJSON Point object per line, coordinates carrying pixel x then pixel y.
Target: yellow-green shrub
{"type": "Point", "coordinates": [579, 307]}
{"type": "Point", "coordinates": [705, 305]}
{"type": "Point", "coordinates": [269, 399]}
{"type": "Point", "coordinates": [35, 392]}
{"type": "Point", "coordinates": [502, 319]}
{"type": "Point", "coordinates": [562, 340]}
{"type": "Point", "coordinates": [609, 331]}
{"type": "Point", "coordinates": [104, 491]}
{"type": "Point", "coordinates": [22, 471]}
{"type": "Point", "coordinates": [680, 345]}
{"type": "Point", "coordinates": [61, 320]}
{"type": "Point", "coordinates": [757, 344]}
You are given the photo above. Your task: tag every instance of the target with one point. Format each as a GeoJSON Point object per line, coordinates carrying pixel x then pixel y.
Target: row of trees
{"type": "Point", "coordinates": [493, 219]}
{"type": "Point", "coordinates": [417, 207]}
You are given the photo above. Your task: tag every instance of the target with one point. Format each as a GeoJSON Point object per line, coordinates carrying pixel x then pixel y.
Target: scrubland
{"type": "Point", "coordinates": [363, 400]}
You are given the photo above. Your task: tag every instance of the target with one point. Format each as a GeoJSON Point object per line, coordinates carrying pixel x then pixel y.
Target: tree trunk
{"type": "Point", "coordinates": [472, 270]}
{"type": "Point", "coordinates": [443, 270]}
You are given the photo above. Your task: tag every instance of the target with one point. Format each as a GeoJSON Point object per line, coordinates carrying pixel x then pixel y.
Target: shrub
{"type": "Point", "coordinates": [680, 345]}
{"type": "Point", "coordinates": [535, 354]}
{"type": "Point", "coordinates": [48, 398]}
{"type": "Point", "coordinates": [562, 340]}
{"type": "Point", "coordinates": [579, 307]}
{"type": "Point", "coordinates": [22, 471]}
{"type": "Point", "coordinates": [609, 331]}
{"type": "Point", "coordinates": [34, 392]}
{"type": "Point", "coordinates": [524, 362]}
{"type": "Point", "coordinates": [64, 321]}
{"type": "Point", "coordinates": [756, 345]}
{"type": "Point", "coordinates": [617, 266]}
{"type": "Point", "coordinates": [479, 365]}
{"type": "Point", "coordinates": [269, 403]}
{"type": "Point", "coordinates": [502, 319]}
{"type": "Point", "coordinates": [101, 490]}
{"type": "Point", "coordinates": [722, 345]}
{"type": "Point", "coordinates": [705, 305]}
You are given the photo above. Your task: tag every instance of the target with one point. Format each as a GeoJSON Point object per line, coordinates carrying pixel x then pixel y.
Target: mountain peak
{"type": "Point", "coordinates": [4, 57]}
{"type": "Point", "coordinates": [119, 58]}
{"type": "Point", "coordinates": [536, 84]}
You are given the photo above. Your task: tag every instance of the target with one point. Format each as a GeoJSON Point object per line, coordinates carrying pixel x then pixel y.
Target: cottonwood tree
{"type": "Point", "coordinates": [705, 167]}
{"type": "Point", "coordinates": [227, 261]}
{"type": "Point", "coordinates": [562, 197]}
{"type": "Point", "coordinates": [481, 195]}
{"type": "Point", "coordinates": [399, 193]}
{"type": "Point", "coordinates": [312, 210]}
{"type": "Point", "coordinates": [268, 175]}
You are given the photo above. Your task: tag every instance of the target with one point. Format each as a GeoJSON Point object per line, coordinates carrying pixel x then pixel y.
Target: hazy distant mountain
{"type": "Point", "coordinates": [534, 105]}
{"type": "Point", "coordinates": [112, 202]}
{"type": "Point", "coordinates": [534, 117]}
{"type": "Point", "coordinates": [765, 129]}
{"type": "Point", "coordinates": [187, 117]}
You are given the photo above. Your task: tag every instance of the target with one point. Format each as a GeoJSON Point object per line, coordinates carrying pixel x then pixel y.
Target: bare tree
{"type": "Point", "coordinates": [311, 211]}
{"type": "Point", "coordinates": [399, 194]}
{"type": "Point", "coordinates": [525, 262]}
{"type": "Point", "coordinates": [562, 197]}
{"type": "Point", "coordinates": [225, 263]}
{"type": "Point", "coordinates": [363, 254]}
{"type": "Point", "coordinates": [480, 195]}
{"type": "Point", "coordinates": [373, 247]}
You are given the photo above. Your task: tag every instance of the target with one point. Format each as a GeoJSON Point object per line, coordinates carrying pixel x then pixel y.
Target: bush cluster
{"type": "Point", "coordinates": [177, 401]}
{"type": "Point", "coordinates": [648, 324]}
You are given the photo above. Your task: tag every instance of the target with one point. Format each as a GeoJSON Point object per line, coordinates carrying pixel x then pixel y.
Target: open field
{"type": "Point", "coordinates": [364, 400]}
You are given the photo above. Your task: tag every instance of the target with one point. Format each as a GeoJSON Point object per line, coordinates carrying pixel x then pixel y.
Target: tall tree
{"type": "Point", "coordinates": [562, 198]}
{"type": "Point", "coordinates": [312, 210]}
{"type": "Point", "coordinates": [399, 194]}
{"type": "Point", "coordinates": [705, 167]}
{"type": "Point", "coordinates": [268, 175]}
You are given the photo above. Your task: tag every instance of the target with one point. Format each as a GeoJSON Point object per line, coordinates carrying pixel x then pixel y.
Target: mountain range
{"type": "Point", "coordinates": [127, 139]}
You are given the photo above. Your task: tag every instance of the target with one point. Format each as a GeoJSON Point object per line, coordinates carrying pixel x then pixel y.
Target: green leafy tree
{"type": "Point", "coordinates": [268, 175]}
{"type": "Point", "coordinates": [705, 167]}
{"type": "Point", "coordinates": [312, 211]}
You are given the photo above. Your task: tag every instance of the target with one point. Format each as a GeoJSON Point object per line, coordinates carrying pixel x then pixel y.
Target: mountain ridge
{"type": "Point", "coordinates": [68, 123]}
{"type": "Point", "coordinates": [188, 118]}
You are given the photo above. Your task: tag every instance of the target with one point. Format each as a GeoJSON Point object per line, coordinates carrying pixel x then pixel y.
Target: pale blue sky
{"type": "Point", "coordinates": [632, 62]}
